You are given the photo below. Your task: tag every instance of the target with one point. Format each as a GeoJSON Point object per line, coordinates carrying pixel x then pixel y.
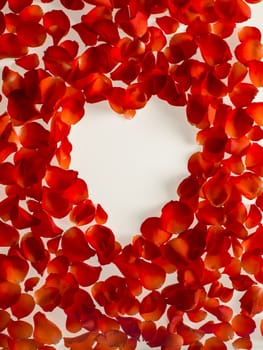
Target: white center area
{"type": "Point", "coordinates": [132, 167]}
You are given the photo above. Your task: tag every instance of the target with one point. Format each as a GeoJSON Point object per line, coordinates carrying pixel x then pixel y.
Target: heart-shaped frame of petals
{"type": "Point", "coordinates": [207, 239]}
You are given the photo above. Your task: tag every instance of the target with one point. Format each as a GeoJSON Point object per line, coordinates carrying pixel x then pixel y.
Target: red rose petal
{"type": "Point", "coordinates": [152, 276]}
{"type": "Point", "coordinates": [32, 13]}
{"type": "Point", "coordinates": [101, 238]}
{"type": "Point", "coordinates": [243, 325]}
{"type": "Point", "coordinates": [248, 51]}
{"type": "Point", "coordinates": [4, 320]}
{"type": "Point", "coordinates": [52, 89]}
{"type": "Point", "coordinates": [176, 217]}
{"type": "Point", "coordinates": [217, 189]}
{"type": "Point", "coordinates": [243, 94]}
{"type": "Point", "coordinates": [151, 230]}
{"type": "Point", "coordinates": [181, 47]}
{"type": "Point", "coordinates": [256, 73]}
{"type": "Point", "coordinates": [55, 203]}
{"type": "Point", "coordinates": [234, 126]}
{"type": "Point", "coordinates": [242, 343]}
{"type": "Point", "coordinates": [28, 62]}
{"type": "Point", "coordinates": [30, 283]}
{"type": "Point", "coordinates": [83, 213]}
{"type": "Point", "coordinates": [9, 294]}
{"type": "Point", "coordinates": [18, 6]}
{"type": "Point", "coordinates": [48, 298]}
{"type": "Point", "coordinates": [45, 331]}
{"type": "Point", "coordinates": [252, 301]}
{"type": "Point", "coordinates": [31, 34]}
{"type": "Point", "coordinates": [74, 245]}
{"type": "Point", "coordinates": [167, 24]}
{"type": "Point", "coordinates": [101, 216]}
{"type": "Point", "coordinates": [60, 179]}
{"type": "Point", "coordinates": [214, 49]}
{"type": "Point", "coordinates": [237, 11]}
{"type": "Point", "coordinates": [33, 135]}
{"type": "Point", "coordinates": [19, 329]}
{"type": "Point", "coordinates": [181, 297]}
{"type": "Point", "coordinates": [248, 184]}
{"type": "Point", "coordinates": [8, 235]}
{"type": "Point", "coordinates": [57, 24]}
{"type": "Point", "coordinates": [248, 32]}
{"type": "Point", "coordinates": [85, 33]}
{"type": "Point", "coordinates": [237, 72]}
{"type": "Point", "coordinates": [58, 61]}
{"type": "Point", "coordinates": [24, 306]}
{"type": "Point", "coordinates": [214, 343]}
{"type": "Point", "coordinates": [21, 107]}
{"type": "Point", "coordinates": [85, 274]}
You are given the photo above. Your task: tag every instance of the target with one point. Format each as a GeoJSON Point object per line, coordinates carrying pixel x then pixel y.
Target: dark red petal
{"type": "Point", "coordinates": [31, 34]}
{"type": "Point", "coordinates": [58, 61]}
{"type": "Point", "coordinates": [57, 24]}
{"type": "Point", "coordinates": [83, 213]}
{"type": "Point", "coordinates": [214, 49]}
{"type": "Point", "coordinates": [237, 11]}
{"type": "Point", "coordinates": [51, 89]}
{"type": "Point", "coordinates": [28, 62]}
{"type": "Point", "coordinates": [73, 4]}
{"type": "Point", "coordinates": [74, 245]}
{"type": "Point", "coordinates": [182, 298]}
{"type": "Point", "coordinates": [168, 24]}
{"type": "Point", "coordinates": [33, 135]}
{"type": "Point", "coordinates": [151, 230]}
{"type": "Point", "coordinates": [85, 274]}
{"type": "Point", "coordinates": [55, 203]}
{"type": "Point", "coordinates": [252, 301]}
{"type": "Point", "coordinates": [30, 283]}
{"type": "Point", "coordinates": [234, 126]}
{"type": "Point", "coordinates": [21, 107]}
{"type": "Point", "coordinates": [254, 217]}
{"type": "Point", "coordinates": [18, 6]}
{"type": "Point", "coordinates": [24, 306]}
{"type": "Point", "coordinates": [4, 320]}
{"type": "Point", "coordinates": [86, 35]}
{"type": "Point", "coordinates": [102, 239]}
{"type": "Point", "coordinates": [181, 47]}
{"type": "Point", "coordinates": [152, 306]}
{"type": "Point", "coordinates": [11, 81]}
{"type": "Point", "coordinates": [9, 294]}
{"type": "Point", "coordinates": [256, 73]}
{"type": "Point", "coordinates": [176, 217]}
{"type": "Point", "coordinates": [8, 235]}
{"type": "Point", "coordinates": [60, 179]}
